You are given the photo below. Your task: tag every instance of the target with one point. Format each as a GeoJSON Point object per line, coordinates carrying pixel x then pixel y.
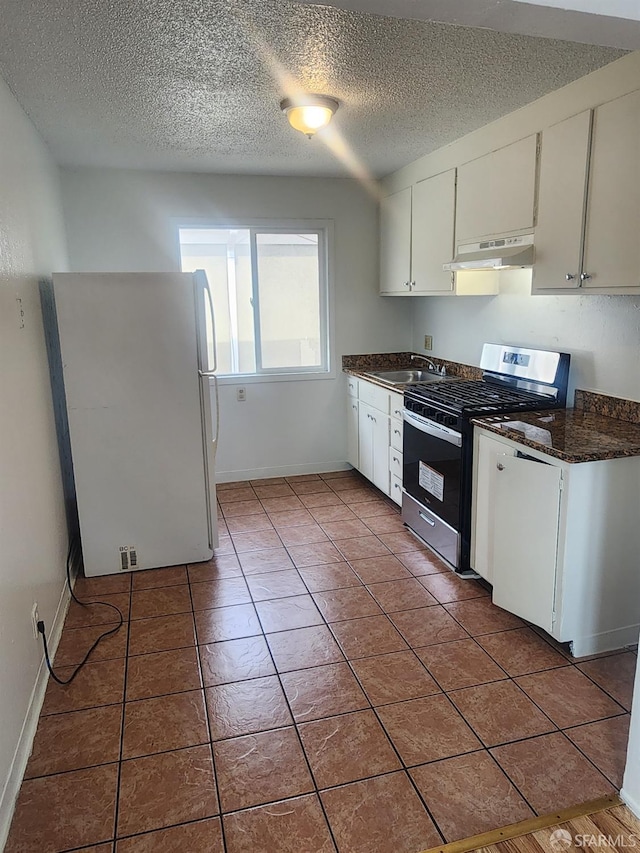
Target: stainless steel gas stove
{"type": "Point", "coordinates": [438, 438]}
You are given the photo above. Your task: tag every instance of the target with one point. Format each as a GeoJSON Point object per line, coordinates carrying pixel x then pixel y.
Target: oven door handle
{"type": "Point", "coordinates": [432, 428]}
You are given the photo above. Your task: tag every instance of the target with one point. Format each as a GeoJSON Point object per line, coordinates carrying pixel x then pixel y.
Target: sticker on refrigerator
{"type": "Point", "coordinates": [431, 481]}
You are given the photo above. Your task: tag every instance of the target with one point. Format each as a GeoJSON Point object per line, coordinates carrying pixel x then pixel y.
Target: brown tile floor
{"type": "Point", "coordinates": [323, 683]}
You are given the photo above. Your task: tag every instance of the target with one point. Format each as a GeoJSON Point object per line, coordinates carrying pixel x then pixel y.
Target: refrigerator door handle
{"type": "Point", "coordinates": [213, 326]}
{"type": "Point", "coordinates": [214, 440]}
{"type": "Point", "coordinates": [210, 442]}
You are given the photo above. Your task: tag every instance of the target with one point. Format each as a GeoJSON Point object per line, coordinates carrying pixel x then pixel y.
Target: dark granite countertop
{"type": "Point", "coordinates": [573, 435]}
{"type": "Point", "coordinates": [361, 365]}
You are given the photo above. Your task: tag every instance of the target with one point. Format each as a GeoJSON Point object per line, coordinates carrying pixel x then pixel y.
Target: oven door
{"type": "Point", "coordinates": [432, 462]}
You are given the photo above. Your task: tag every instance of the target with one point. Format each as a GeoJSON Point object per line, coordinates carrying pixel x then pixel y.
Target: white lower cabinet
{"type": "Point", "coordinates": [396, 490]}
{"type": "Point", "coordinates": [559, 542]}
{"type": "Point", "coordinates": [395, 470]}
{"type": "Point", "coordinates": [353, 429]}
{"type": "Point", "coordinates": [486, 452]}
{"type": "Point", "coordinates": [374, 431]}
{"type": "Point", "coordinates": [353, 440]}
{"type": "Point", "coordinates": [525, 547]}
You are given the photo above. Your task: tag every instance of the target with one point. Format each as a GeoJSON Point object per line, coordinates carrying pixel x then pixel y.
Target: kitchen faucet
{"type": "Point", "coordinates": [441, 371]}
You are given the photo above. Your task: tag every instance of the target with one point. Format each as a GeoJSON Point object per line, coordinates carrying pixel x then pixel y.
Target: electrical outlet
{"type": "Point", "coordinates": [241, 395]}
{"type": "Point", "coordinates": [428, 342]}
{"type": "Point", "coordinates": [35, 618]}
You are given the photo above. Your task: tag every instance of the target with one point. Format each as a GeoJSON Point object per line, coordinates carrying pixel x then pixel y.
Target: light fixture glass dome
{"type": "Point", "coordinates": [309, 113]}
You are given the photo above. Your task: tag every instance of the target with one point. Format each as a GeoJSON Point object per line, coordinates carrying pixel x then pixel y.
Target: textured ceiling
{"type": "Point", "coordinates": [196, 84]}
{"type": "Point", "coordinates": [615, 23]}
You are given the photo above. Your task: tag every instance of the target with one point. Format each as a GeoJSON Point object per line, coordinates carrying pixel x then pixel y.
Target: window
{"type": "Point", "coordinates": [269, 291]}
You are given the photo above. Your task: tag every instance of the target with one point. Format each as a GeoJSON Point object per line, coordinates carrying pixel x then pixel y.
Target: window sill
{"type": "Point", "coordinates": [253, 378]}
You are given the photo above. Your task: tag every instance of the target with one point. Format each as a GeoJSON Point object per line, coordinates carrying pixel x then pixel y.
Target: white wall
{"type": "Point", "coordinates": [125, 220]}
{"type": "Point", "coordinates": [32, 522]}
{"type": "Point", "coordinates": [602, 333]}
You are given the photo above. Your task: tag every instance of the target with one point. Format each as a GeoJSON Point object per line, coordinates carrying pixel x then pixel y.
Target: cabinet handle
{"type": "Point", "coordinates": [397, 412]}
{"type": "Point", "coordinates": [396, 486]}
{"type": "Point", "coordinates": [500, 466]}
{"type": "Point", "coordinates": [570, 276]}
{"type": "Point", "coordinates": [353, 406]}
{"type": "Point", "coordinates": [373, 419]}
{"type": "Point", "coordinates": [396, 432]}
{"type": "Point", "coordinates": [395, 459]}
{"type": "Point", "coordinates": [427, 519]}
{"type": "Point", "coordinates": [584, 276]}
{"type": "Point", "coordinates": [406, 283]}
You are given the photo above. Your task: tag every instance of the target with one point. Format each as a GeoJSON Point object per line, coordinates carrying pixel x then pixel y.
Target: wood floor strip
{"type": "Point", "coordinates": [487, 841]}
{"type": "Point", "coordinates": [627, 818]}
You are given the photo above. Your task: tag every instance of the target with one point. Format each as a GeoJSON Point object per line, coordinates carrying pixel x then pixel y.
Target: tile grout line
{"type": "Point", "coordinates": [122, 721]}
{"type": "Point", "coordinates": [207, 720]}
{"type": "Point", "coordinates": [299, 739]}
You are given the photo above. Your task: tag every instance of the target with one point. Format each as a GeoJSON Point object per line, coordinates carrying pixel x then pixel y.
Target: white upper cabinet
{"type": "Point", "coordinates": [496, 192]}
{"type": "Point", "coordinates": [417, 227]}
{"type": "Point", "coordinates": [416, 237]}
{"type": "Point", "coordinates": [612, 234]}
{"type": "Point", "coordinates": [587, 236]}
{"type": "Point", "coordinates": [561, 203]}
{"type": "Point", "coordinates": [395, 242]}
{"type": "Point", "coordinates": [432, 226]}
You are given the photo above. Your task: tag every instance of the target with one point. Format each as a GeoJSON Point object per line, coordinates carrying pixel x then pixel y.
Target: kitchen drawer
{"type": "Point", "coordinates": [395, 463]}
{"type": "Point", "coordinates": [397, 428]}
{"type": "Point", "coordinates": [396, 490]}
{"type": "Point", "coordinates": [352, 386]}
{"type": "Point", "coordinates": [396, 403]}
{"type": "Point", "coordinates": [374, 396]}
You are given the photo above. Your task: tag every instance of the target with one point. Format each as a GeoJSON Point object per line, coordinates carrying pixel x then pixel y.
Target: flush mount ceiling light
{"type": "Point", "coordinates": [309, 113]}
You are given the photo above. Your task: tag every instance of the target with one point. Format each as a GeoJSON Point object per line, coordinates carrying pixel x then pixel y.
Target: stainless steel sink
{"type": "Point", "coordinates": [407, 377]}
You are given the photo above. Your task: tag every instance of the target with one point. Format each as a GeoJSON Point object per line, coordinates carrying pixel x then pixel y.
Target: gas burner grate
{"type": "Point", "coordinates": [474, 394]}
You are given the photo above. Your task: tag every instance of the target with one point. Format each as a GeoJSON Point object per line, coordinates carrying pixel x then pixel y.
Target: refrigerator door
{"type": "Point", "coordinates": [209, 402]}
{"type": "Point", "coordinates": [130, 366]}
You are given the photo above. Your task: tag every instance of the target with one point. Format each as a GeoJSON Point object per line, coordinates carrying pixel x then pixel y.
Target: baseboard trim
{"type": "Point", "coordinates": [281, 471]}
{"type": "Point", "coordinates": [607, 641]}
{"type": "Point", "coordinates": [525, 827]}
{"type": "Point", "coordinates": [631, 802]}
{"type": "Point", "coordinates": [30, 724]}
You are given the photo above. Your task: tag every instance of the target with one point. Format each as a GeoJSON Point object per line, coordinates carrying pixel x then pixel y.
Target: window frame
{"type": "Point", "coordinates": [324, 229]}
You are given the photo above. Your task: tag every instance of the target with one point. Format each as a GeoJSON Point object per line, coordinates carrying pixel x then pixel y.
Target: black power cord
{"type": "Point", "coordinates": [41, 628]}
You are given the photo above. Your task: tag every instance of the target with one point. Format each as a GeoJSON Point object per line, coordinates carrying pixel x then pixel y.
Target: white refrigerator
{"type": "Point", "coordinates": [142, 419]}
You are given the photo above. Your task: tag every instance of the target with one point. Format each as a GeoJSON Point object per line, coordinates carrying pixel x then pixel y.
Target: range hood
{"type": "Point", "coordinates": [503, 253]}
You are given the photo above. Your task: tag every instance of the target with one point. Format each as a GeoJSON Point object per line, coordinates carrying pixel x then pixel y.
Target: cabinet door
{"type": "Point", "coordinates": [365, 440]}
{"type": "Point", "coordinates": [380, 448]}
{"type": "Point", "coordinates": [352, 432]}
{"type": "Point", "coordinates": [525, 547]}
{"type": "Point", "coordinates": [395, 242]}
{"type": "Point", "coordinates": [496, 193]}
{"type": "Point", "coordinates": [561, 203]}
{"type": "Point", "coordinates": [483, 503]}
{"type": "Point", "coordinates": [612, 236]}
{"type": "Point", "coordinates": [432, 233]}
